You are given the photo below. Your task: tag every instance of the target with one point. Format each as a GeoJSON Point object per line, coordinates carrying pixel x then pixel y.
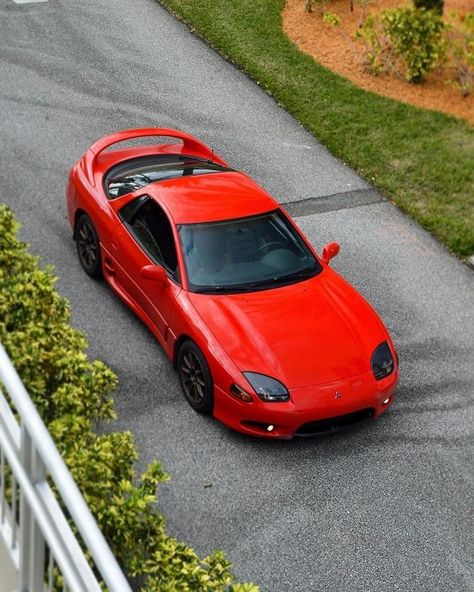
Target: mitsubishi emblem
{"type": "Point", "coordinates": [338, 395]}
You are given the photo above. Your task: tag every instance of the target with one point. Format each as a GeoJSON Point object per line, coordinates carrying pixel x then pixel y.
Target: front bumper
{"type": "Point", "coordinates": [341, 403]}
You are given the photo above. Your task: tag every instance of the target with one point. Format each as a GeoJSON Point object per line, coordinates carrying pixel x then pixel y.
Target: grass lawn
{"type": "Point", "coordinates": [423, 161]}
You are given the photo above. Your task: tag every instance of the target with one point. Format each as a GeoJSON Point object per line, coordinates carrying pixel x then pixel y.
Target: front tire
{"type": "Point", "coordinates": [88, 247]}
{"type": "Point", "coordinates": [195, 378]}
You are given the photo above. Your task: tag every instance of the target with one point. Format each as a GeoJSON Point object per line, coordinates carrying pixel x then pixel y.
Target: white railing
{"type": "Point", "coordinates": [39, 539]}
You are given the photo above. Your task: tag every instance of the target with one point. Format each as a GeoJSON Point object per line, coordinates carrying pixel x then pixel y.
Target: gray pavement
{"type": "Point", "coordinates": [387, 506]}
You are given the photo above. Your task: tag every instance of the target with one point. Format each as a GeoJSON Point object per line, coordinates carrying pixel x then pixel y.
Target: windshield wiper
{"type": "Point", "coordinates": [250, 287]}
{"type": "Point", "coordinates": [223, 289]}
{"type": "Point", "coordinates": [305, 273]}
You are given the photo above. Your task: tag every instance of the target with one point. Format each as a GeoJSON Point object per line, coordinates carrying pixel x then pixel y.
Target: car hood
{"type": "Point", "coordinates": [312, 332]}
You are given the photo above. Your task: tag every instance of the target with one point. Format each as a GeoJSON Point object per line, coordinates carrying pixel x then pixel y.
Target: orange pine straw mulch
{"type": "Point", "coordinates": [335, 48]}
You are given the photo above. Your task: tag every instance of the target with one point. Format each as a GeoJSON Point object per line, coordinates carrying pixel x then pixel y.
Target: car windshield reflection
{"type": "Point", "coordinates": [256, 253]}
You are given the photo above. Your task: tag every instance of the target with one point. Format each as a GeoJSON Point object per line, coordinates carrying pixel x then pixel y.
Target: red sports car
{"type": "Point", "coordinates": [264, 334]}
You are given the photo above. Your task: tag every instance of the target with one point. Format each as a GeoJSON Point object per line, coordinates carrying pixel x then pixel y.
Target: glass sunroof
{"type": "Point", "coordinates": [140, 172]}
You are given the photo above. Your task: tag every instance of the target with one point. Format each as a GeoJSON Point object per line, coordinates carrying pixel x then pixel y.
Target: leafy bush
{"type": "Point", "coordinates": [417, 37]}
{"type": "Point", "coordinates": [436, 5]}
{"type": "Point", "coordinates": [409, 41]}
{"type": "Point", "coordinates": [73, 395]}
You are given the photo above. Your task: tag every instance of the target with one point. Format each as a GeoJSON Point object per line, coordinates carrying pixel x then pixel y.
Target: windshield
{"type": "Point", "coordinates": [245, 255]}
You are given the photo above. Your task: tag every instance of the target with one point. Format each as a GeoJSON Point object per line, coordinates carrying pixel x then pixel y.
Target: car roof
{"type": "Point", "coordinates": [211, 198]}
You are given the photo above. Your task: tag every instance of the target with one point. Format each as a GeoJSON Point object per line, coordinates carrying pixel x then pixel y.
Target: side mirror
{"type": "Point", "coordinates": [155, 273]}
{"type": "Point", "coordinates": [329, 251]}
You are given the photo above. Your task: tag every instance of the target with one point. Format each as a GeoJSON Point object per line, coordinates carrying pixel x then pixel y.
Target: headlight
{"type": "Point", "coordinates": [382, 361]}
{"type": "Point", "coordinates": [268, 389]}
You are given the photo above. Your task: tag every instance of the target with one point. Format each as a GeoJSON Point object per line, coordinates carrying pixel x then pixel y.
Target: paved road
{"type": "Point", "coordinates": [385, 507]}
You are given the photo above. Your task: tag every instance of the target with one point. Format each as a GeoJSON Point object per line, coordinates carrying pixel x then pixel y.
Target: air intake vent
{"type": "Point", "coordinates": [333, 424]}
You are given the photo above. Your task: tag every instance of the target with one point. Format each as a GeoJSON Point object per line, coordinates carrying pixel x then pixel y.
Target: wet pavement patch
{"type": "Point", "coordinates": [336, 201]}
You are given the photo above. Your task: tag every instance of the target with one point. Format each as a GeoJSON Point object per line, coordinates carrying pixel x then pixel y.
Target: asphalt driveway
{"type": "Point", "coordinates": [387, 506]}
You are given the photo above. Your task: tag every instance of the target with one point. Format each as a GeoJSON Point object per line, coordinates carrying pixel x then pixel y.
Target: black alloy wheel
{"type": "Point", "coordinates": [195, 378]}
{"type": "Point", "coordinates": [88, 247]}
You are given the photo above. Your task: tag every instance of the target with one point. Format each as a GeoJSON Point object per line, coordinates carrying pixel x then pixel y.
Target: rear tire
{"type": "Point", "coordinates": [88, 247]}
{"type": "Point", "coordinates": [195, 378]}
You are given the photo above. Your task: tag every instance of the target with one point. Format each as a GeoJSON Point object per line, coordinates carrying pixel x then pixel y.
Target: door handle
{"type": "Point", "coordinates": [109, 266]}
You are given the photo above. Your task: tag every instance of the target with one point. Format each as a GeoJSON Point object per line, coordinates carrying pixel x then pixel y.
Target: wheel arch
{"type": "Point", "coordinates": [178, 343]}
{"type": "Point", "coordinates": [77, 214]}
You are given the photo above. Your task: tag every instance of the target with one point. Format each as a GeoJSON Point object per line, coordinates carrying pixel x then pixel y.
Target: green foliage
{"type": "Point", "coordinates": [461, 48]}
{"type": "Point", "coordinates": [412, 43]}
{"type": "Point", "coordinates": [409, 41]}
{"type": "Point", "coordinates": [332, 19]}
{"type": "Point", "coordinates": [378, 50]}
{"type": "Point", "coordinates": [73, 394]}
{"type": "Point", "coordinates": [417, 37]}
{"type": "Point", "coordinates": [436, 5]}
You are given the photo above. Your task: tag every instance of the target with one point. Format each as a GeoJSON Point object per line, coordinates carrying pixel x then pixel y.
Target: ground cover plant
{"type": "Point", "coordinates": [420, 159]}
{"type": "Point", "coordinates": [73, 395]}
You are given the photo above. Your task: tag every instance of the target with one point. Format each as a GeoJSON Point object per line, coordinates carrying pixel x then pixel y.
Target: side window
{"type": "Point", "coordinates": [151, 228]}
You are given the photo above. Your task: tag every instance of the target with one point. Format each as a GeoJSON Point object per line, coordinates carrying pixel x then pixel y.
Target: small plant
{"type": "Point", "coordinates": [461, 50]}
{"type": "Point", "coordinates": [363, 6]}
{"type": "Point", "coordinates": [408, 41]}
{"type": "Point", "coordinates": [418, 40]}
{"type": "Point", "coordinates": [332, 19]}
{"type": "Point", "coordinates": [378, 49]}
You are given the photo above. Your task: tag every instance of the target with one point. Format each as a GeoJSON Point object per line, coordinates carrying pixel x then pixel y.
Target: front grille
{"type": "Point", "coordinates": [333, 424]}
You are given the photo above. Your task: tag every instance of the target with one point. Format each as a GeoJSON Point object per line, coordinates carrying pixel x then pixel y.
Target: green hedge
{"type": "Point", "coordinates": [73, 394]}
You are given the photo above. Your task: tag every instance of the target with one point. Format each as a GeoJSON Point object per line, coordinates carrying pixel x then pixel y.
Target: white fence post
{"type": "Point", "coordinates": [25, 519]}
{"type": "Point", "coordinates": [32, 543]}
{"type": "Point", "coordinates": [28, 457]}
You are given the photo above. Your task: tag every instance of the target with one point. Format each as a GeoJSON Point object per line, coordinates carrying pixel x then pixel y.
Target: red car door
{"type": "Point", "coordinates": [145, 237]}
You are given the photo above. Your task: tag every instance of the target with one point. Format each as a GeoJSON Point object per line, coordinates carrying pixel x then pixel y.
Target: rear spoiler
{"type": "Point", "coordinates": [191, 145]}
